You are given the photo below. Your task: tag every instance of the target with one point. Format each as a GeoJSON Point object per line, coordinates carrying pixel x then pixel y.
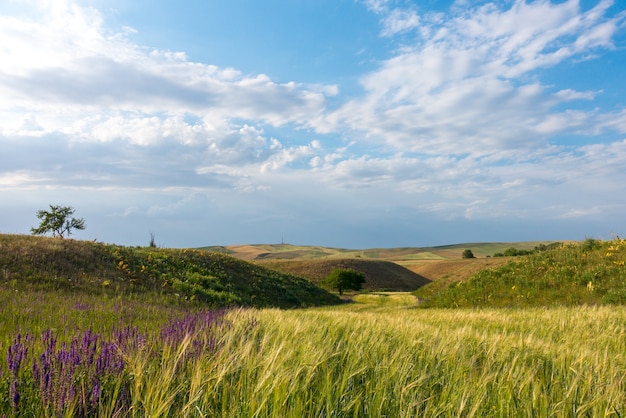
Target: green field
{"type": "Point", "coordinates": [378, 356]}
{"type": "Point", "coordinates": [72, 346]}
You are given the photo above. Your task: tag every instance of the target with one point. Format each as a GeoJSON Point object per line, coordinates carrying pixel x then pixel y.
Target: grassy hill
{"type": "Point", "coordinates": [404, 255]}
{"type": "Point", "coordinates": [380, 275]}
{"type": "Point", "coordinates": [391, 269]}
{"type": "Point", "coordinates": [195, 276]}
{"type": "Point", "coordinates": [591, 272]}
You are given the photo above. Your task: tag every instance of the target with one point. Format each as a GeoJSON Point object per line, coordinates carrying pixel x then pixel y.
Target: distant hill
{"type": "Point", "coordinates": [397, 269]}
{"type": "Point", "coordinates": [379, 275]}
{"type": "Point", "coordinates": [196, 276]}
{"type": "Point", "coordinates": [400, 254]}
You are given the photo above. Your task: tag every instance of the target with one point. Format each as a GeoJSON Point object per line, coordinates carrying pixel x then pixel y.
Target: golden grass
{"type": "Point", "coordinates": [377, 358]}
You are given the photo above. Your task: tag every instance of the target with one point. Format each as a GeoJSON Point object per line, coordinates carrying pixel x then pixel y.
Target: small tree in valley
{"type": "Point", "coordinates": [340, 280]}
{"type": "Point", "coordinates": [468, 254]}
{"type": "Point", "coordinates": [57, 220]}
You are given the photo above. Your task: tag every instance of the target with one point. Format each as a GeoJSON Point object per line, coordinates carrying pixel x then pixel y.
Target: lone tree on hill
{"type": "Point", "coordinates": [341, 280]}
{"type": "Point", "coordinates": [57, 220]}
{"type": "Point", "coordinates": [468, 254]}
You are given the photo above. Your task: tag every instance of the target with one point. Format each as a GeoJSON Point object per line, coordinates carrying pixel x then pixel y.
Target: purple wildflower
{"type": "Point", "coordinates": [17, 352]}
{"type": "Point", "coordinates": [15, 394]}
{"type": "Point", "coordinates": [79, 306]}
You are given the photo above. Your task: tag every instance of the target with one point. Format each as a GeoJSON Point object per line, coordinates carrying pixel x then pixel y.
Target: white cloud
{"type": "Point", "coordinates": [399, 21]}
{"type": "Point", "coordinates": [468, 85]}
{"type": "Point", "coordinates": [456, 125]}
{"type": "Point", "coordinates": [77, 75]}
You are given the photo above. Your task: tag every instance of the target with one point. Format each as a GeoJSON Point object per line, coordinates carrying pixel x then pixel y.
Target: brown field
{"type": "Point", "coordinates": [454, 270]}
{"type": "Point", "coordinates": [392, 269]}
{"type": "Point", "coordinates": [379, 274]}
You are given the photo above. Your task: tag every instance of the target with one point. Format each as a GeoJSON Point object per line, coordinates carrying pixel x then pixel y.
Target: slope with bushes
{"type": "Point", "coordinates": [192, 275]}
{"type": "Point", "coordinates": [587, 273]}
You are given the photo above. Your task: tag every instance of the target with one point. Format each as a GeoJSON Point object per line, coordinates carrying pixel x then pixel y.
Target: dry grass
{"type": "Point", "coordinates": [379, 275]}
{"type": "Point", "coordinates": [453, 270]}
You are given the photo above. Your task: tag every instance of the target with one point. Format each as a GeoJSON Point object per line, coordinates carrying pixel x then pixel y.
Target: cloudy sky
{"type": "Point", "coordinates": [346, 123]}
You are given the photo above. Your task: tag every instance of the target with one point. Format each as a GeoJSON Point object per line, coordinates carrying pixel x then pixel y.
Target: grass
{"type": "Point", "coordinates": [304, 252]}
{"type": "Point", "coordinates": [378, 356]}
{"type": "Point", "coordinates": [380, 275]}
{"type": "Point", "coordinates": [170, 276]}
{"type": "Point", "coordinates": [133, 352]}
{"type": "Point", "coordinates": [586, 273]}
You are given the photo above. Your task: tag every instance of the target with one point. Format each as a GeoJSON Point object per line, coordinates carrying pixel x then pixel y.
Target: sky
{"type": "Point", "coordinates": [342, 123]}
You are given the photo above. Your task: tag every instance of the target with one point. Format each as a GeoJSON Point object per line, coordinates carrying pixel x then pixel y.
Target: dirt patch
{"type": "Point", "coordinates": [246, 252]}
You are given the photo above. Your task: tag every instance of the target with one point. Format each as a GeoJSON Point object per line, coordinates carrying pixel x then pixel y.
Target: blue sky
{"type": "Point", "coordinates": [346, 123]}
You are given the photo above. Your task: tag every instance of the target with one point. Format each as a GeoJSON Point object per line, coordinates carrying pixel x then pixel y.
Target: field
{"type": "Point", "coordinates": [391, 269]}
{"type": "Point", "coordinates": [378, 356]}
{"type": "Point", "coordinates": [72, 346]}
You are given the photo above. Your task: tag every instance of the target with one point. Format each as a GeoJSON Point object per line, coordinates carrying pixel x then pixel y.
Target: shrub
{"type": "Point", "coordinates": [468, 254]}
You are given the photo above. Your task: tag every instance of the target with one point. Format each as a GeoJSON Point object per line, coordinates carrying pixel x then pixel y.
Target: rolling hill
{"type": "Point", "coordinates": [380, 275]}
{"type": "Point", "coordinates": [195, 276]}
{"type": "Point", "coordinates": [405, 255]}
{"type": "Point", "coordinates": [392, 269]}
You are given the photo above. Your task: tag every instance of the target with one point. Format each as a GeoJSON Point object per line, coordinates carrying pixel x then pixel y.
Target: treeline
{"type": "Point", "coordinates": [514, 252]}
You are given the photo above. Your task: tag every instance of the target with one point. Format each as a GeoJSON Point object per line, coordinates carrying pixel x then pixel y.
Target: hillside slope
{"type": "Point", "coordinates": [400, 254]}
{"type": "Point", "coordinates": [379, 275]}
{"type": "Point", "coordinates": [215, 279]}
{"type": "Point", "coordinates": [591, 272]}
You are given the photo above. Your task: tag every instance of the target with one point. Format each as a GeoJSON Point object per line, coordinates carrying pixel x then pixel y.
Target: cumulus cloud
{"type": "Point", "coordinates": [456, 122]}
{"type": "Point", "coordinates": [467, 83]}
{"type": "Point", "coordinates": [71, 66]}
{"type": "Point", "coordinates": [86, 106]}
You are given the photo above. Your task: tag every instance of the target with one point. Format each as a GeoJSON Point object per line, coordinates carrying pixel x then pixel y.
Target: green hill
{"type": "Point", "coordinates": [591, 272]}
{"type": "Point", "coordinates": [194, 276]}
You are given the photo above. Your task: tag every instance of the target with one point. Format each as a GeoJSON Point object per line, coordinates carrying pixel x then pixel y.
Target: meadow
{"type": "Point", "coordinates": [114, 342]}
{"type": "Point", "coordinates": [378, 356]}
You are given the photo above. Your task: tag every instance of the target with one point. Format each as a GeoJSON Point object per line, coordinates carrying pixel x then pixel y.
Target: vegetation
{"type": "Point", "coordinates": [264, 252]}
{"type": "Point", "coordinates": [468, 254]}
{"type": "Point", "coordinates": [173, 276]}
{"type": "Point", "coordinates": [373, 357]}
{"type": "Point", "coordinates": [57, 221]}
{"type": "Point", "coordinates": [514, 252]}
{"type": "Point", "coordinates": [380, 275]}
{"type": "Point", "coordinates": [341, 280]}
{"type": "Point", "coordinates": [90, 329]}
{"type": "Point", "coordinates": [591, 273]}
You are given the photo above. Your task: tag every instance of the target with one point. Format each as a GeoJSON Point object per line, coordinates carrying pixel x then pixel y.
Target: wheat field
{"type": "Point", "coordinates": [375, 357]}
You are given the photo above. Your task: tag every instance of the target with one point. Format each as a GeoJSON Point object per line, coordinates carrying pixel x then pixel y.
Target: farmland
{"type": "Point", "coordinates": [84, 349]}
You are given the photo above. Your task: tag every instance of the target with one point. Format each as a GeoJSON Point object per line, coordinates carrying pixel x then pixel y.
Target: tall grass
{"type": "Point", "coordinates": [399, 362]}
{"type": "Point", "coordinates": [374, 357]}
{"type": "Point", "coordinates": [591, 272]}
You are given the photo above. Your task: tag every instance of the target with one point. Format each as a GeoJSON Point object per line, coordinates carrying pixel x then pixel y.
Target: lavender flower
{"type": "Point", "coordinates": [72, 373]}
{"type": "Point", "coordinates": [17, 353]}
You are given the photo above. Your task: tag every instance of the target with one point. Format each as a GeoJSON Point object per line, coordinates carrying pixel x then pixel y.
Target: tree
{"type": "Point", "coordinates": [57, 220]}
{"type": "Point", "coordinates": [344, 279]}
{"type": "Point", "coordinates": [468, 254]}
